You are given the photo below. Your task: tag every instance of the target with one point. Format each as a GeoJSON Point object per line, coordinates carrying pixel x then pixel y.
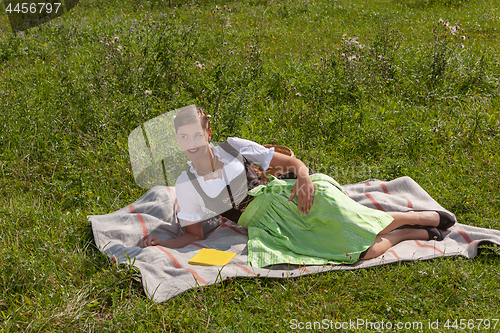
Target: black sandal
{"type": "Point", "coordinates": [434, 233]}
{"type": "Point", "coordinates": [445, 221]}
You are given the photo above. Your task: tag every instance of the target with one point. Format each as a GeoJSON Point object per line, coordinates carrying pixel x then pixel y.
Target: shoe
{"type": "Point", "coordinates": [445, 221]}
{"type": "Point", "coordinates": [434, 233]}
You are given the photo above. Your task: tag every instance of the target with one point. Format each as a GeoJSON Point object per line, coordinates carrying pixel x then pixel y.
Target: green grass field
{"type": "Point", "coordinates": [358, 90]}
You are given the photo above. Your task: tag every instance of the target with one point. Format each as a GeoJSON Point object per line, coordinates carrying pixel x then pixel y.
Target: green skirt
{"type": "Point", "coordinates": [336, 230]}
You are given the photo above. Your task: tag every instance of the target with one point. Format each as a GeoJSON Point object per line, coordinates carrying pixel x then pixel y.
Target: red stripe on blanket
{"type": "Point", "coordinates": [465, 236]}
{"type": "Point", "coordinates": [375, 202]}
{"type": "Point", "coordinates": [232, 227]}
{"type": "Point", "coordinates": [176, 207]}
{"type": "Point", "coordinates": [367, 184]}
{"type": "Point", "coordinates": [170, 255]}
{"type": "Point", "coordinates": [430, 246]}
{"type": "Point", "coordinates": [384, 188]}
{"type": "Point", "coordinates": [199, 245]}
{"type": "Point", "coordinates": [175, 198]}
{"type": "Point", "coordinates": [394, 254]}
{"type": "Point", "coordinates": [178, 265]}
{"type": "Point", "coordinates": [347, 193]}
{"type": "Point", "coordinates": [141, 220]}
{"type": "Point", "coordinates": [302, 269]}
{"type": "Point", "coordinates": [410, 205]}
{"type": "Point", "coordinates": [196, 276]}
{"type": "Point", "coordinates": [244, 268]}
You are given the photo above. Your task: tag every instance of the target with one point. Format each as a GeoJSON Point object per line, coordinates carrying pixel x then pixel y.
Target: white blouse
{"type": "Point", "coordinates": [191, 206]}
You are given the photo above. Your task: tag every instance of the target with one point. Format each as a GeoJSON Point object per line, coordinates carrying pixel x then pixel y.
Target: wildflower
{"type": "Point", "coordinates": [105, 84]}
{"type": "Point", "coordinates": [100, 41]}
{"type": "Point", "coordinates": [116, 39]}
{"type": "Point", "coordinates": [200, 65]}
{"type": "Point", "coordinates": [225, 43]}
{"type": "Point", "coordinates": [267, 296]}
{"type": "Point", "coordinates": [148, 92]}
{"type": "Point", "coordinates": [463, 37]}
{"type": "Point", "coordinates": [107, 44]}
{"type": "Point", "coordinates": [251, 46]}
{"type": "Point", "coordinates": [91, 85]}
{"type": "Point", "coordinates": [231, 52]}
{"type": "Point", "coordinates": [119, 48]}
{"type": "Point", "coordinates": [454, 30]}
{"type": "Point", "coordinates": [298, 94]}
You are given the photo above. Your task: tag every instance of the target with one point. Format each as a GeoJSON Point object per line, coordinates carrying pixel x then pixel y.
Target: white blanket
{"type": "Point", "coordinates": [165, 272]}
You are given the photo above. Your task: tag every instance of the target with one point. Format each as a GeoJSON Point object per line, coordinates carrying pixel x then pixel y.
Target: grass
{"type": "Point", "coordinates": [358, 89]}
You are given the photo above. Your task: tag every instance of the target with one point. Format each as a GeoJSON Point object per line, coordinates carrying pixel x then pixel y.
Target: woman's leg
{"type": "Point", "coordinates": [383, 242]}
{"type": "Point", "coordinates": [423, 218]}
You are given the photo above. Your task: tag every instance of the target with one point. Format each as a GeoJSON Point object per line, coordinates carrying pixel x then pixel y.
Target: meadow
{"type": "Point", "coordinates": [357, 89]}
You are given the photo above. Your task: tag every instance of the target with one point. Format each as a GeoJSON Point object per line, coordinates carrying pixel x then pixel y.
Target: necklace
{"type": "Point", "coordinates": [213, 172]}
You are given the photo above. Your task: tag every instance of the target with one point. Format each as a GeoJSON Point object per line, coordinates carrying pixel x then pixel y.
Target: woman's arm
{"type": "Point", "coordinates": [304, 187]}
{"type": "Point", "coordinates": [194, 232]}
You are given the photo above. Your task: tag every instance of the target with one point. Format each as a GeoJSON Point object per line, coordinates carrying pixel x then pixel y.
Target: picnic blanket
{"type": "Point", "coordinates": [165, 272]}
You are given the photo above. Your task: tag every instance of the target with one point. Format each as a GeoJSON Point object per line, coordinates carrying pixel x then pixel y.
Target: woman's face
{"type": "Point", "coordinates": [193, 139]}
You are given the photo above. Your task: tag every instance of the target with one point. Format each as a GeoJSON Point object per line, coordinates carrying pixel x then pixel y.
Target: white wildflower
{"type": "Point", "coordinates": [200, 65]}
{"type": "Point", "coordinates": [148, 92]}
{"type": "Point", "coordinates": [454, 30]}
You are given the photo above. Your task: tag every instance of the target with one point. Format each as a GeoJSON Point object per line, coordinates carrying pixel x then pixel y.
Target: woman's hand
{"type": "Point", "coordinates": [150, 241]}
{"type": "Point", "coordinates": [304, 189]}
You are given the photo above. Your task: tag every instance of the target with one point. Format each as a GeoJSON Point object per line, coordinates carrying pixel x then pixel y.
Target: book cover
{"type": "Point", "coordinates": [210, 257]}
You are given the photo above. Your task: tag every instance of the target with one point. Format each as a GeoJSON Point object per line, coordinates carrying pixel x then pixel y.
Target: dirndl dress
{"type": "Point", "coordinates": [336, 230]}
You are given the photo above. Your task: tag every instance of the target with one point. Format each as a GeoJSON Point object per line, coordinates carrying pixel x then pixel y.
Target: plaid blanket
{"type": "Point", "coordinates": [165, 272]}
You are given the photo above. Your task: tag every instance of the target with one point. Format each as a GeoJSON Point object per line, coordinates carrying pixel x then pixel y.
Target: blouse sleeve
{"type": "Point", "coordinates": [189, 201]}
{"type": "Point", "coordinates": [255, 153]}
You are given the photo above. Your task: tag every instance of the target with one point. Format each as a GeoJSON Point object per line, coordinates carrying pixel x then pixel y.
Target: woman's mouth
{"type": "Point", "coordinates": [193, 151]}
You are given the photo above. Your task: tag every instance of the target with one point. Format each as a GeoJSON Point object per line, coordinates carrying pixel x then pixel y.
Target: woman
{"type": "Point", "coordinates": [307, 220]}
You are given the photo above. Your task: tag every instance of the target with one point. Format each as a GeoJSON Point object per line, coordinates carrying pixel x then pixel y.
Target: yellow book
{"type": "Point", "coordinates": [209, 257]}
